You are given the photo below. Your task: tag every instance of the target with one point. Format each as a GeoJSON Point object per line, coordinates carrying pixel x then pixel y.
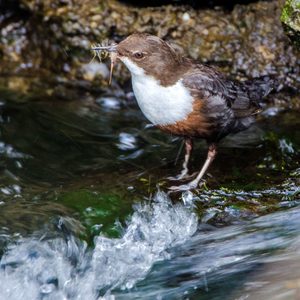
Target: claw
{"type": "Point", "coordinates": [182, 177]}
{"type": "Point", "coordinates": [181, 188]}
{"type": "Point", "coordinates": [186, 187]}
{"type": "Point", "coordinates": [198, 181]}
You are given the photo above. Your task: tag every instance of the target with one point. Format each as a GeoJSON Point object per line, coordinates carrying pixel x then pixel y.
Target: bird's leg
{"type": "Point", "coordinates": [185, 170]}
{"type": "Point", "coordinates": [211, 154]}
{"type": "Point", "coordinates": [212, 151]}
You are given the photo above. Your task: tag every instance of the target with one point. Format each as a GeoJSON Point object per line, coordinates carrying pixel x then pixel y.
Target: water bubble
{"type": "Point", "coordinates": [127, 141]}
{"type": "Point", "coordinates": [189, 199]}
{"type": "Point", "coordinates": [271, 111]}
{"type": "Point", "coordinates": [10, 152]}
{"type": "Point", "coordinates": [286, 147]}
{"type": "Point", "coordinates": [6, 191]}
{"type": "Point", "coordinates": [109, 102]}
{"type": "Point", "coordinates": [47, 288]}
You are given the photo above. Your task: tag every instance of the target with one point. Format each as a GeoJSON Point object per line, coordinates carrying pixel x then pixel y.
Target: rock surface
{"type": "Point", "coordinates": [47, 42]}
{"type": "Point", "coordinates": [290, 17]}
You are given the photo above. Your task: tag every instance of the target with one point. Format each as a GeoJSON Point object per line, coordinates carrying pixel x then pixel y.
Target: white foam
{"type": "Point", "coordinates": [56, 269]}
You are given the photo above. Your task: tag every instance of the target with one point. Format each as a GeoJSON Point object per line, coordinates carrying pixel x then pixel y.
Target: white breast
{"type": "Point", "coordinates": [161, 105]}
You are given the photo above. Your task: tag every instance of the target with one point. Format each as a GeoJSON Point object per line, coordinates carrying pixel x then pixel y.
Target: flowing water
{"type": "Point", "coordinates": [85, 214]}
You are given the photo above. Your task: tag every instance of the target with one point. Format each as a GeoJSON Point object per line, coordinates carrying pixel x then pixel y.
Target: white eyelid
{"type": "Point", "coordinates": [135, 52]}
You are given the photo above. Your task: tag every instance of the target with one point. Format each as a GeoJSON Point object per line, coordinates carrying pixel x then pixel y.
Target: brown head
{"type": "Point", "coordinates": [146, 53]}
{"type": "Point", "coordinates": [143, 53]}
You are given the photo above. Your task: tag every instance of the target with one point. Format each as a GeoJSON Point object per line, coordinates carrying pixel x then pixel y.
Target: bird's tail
{"type": "Point", "coordinates": [260, 87]}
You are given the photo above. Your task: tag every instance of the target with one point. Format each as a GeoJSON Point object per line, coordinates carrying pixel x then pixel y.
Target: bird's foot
{"type": "Point", "coordinates": [182, 176]}
{"type": "Point", "coordinates": [187, 187]}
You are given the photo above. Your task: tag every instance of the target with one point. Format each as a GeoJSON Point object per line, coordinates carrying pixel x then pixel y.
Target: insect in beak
{"type": "Point", "coordinates": [111, 50]}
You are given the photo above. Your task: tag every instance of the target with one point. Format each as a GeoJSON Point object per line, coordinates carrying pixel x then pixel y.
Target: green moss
{"type": "Point", "coordinates": [97, 211]}
{"type": "Point", "coordinates": [286, 12]}
{"type": "Point", "coordinates": [290, 17]}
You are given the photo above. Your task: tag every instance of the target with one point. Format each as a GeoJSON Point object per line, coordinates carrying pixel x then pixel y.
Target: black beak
{"type": "Point", "coordinates": [110, 48]}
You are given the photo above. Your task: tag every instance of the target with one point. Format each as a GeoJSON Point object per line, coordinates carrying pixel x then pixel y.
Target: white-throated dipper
{"type": "Point", "coordinates": [185, 98]}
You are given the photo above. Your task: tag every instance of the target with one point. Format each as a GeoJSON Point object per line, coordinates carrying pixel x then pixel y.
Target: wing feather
{"type": "Point", "coordinates": [220, 92]}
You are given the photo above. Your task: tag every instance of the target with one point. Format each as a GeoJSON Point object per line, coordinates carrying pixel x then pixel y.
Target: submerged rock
{"type": "Point", "coordinates": [290, 18]}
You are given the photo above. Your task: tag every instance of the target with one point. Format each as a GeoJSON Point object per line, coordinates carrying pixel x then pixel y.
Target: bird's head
{"type": "Point", "coordinates": [144, 54]}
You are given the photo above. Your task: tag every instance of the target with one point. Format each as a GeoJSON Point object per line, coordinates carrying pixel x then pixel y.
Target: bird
{"type": "Point", "coordinates": [186, 98]}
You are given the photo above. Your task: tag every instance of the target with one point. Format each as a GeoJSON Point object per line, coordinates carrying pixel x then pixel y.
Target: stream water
{"type": "Point", "coordinates": [85, 214]}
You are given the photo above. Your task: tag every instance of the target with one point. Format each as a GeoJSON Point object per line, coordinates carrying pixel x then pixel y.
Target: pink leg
{"type": "Point", "coordinates": [185, 170]}
{"type": "Point", "coordinates": [212, 151]}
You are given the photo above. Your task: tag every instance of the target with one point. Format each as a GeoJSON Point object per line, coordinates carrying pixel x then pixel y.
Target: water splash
{"type": "Point", "coordinates": [66, 269]}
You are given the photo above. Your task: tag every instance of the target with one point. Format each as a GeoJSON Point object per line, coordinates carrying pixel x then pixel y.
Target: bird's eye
{"type": "Point", "coordinates": [138, 55]}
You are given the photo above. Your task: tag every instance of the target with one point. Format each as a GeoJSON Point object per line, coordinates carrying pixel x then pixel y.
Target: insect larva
{"type": "Point", "coordinates": [104, 50]}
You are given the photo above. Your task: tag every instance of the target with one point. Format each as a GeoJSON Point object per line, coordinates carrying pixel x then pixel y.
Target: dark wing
{"type": "Point", "coordinates": [227, 104]}
{"type": "Point", "coordinates": [214, 88]}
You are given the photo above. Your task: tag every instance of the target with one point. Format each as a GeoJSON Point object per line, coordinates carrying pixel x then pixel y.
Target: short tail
{"type": "Point", "coordinates": [260, 87]}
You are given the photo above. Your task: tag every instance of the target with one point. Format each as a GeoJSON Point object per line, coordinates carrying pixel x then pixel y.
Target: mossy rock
{"type": "Point", "coordinates": [97, 211]}
{"type": "Point", "coordinates": [290, 18]}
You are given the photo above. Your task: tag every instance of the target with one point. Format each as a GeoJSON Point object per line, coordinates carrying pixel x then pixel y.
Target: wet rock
{"type": "Point", "coordinates": [92, 70]}
{"type": "Point", "coordinates": [290, 18]}
{"type": "Point", "coordinates": [195, 4]}
{"type": "Point", "coordinates": [246, 42]}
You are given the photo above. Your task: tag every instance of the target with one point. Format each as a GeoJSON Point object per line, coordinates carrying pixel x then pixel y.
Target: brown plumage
{"type": "Point", "coordinates": [212, 105]}
{"type": "Point", "coordinates": [195, 125]}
